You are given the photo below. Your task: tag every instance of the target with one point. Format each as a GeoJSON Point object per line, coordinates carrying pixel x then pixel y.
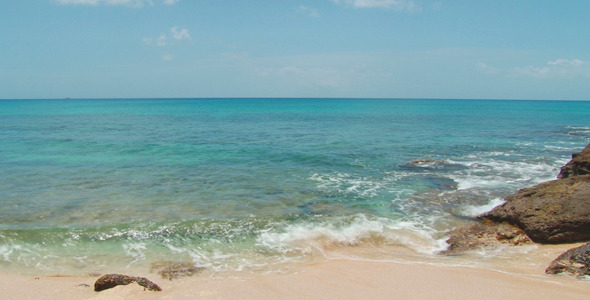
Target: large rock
{"type": "Point", "coordinates": [574, 261]}
{"type": "Point", "coordinates": [553, 212]}
{"type": "Point", "coordinates": [484, 234]}
{"type": "Point", "coordinates": [112, 280]}
{"type": "Point", "coordinates": [579, 165]}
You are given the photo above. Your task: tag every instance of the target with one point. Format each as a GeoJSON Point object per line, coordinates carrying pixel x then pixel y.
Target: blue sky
{"type": "Point", "coordinates": [502, 49]}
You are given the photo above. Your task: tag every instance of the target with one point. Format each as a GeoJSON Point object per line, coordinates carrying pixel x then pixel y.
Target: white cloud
{"type": "Point", "coordinates": [559, 68]}
{"type": "Point", "coordinates": [180, 34]}
{"type": "Point", "coordinates": [401, 5]}
{"type": "Point", "coordinates": [556, 68]}
{"type": "Point", "coordinates": [162, 40]}
{"type": "Point", "coordinates": [312, 12]}
{"type": "Point", "coordinates": [317, 73]}
{"type": "Point", "coordinates": [537, 72]}
{"type": "Point", "coordinates": [312, 76]}
{"type": "Point", "coordinates": [485, 68]}
{"type": "Point", "coordinates": [565, 62]}
{"type": "Point", "coordinates": [130, 3]}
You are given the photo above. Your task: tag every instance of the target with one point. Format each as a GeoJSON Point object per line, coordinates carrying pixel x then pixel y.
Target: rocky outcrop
{"type": "Point", "coordinates": [579, 165]}
{"type": "Point", "coordinates": [112, 280]}
{"type": "Point", "coordinates": [483, 235]}
{"type": "Point", "coordinates": [574, 261]}
{"type": "Point", "coordinates": [553, 212]}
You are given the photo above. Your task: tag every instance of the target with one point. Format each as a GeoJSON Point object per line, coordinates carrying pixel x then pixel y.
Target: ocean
{"type": "Point", "coordinates": [254, 184]}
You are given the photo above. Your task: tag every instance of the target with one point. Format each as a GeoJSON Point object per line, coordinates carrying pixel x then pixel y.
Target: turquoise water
{"type": "Point", "coordinates": [240, 183]}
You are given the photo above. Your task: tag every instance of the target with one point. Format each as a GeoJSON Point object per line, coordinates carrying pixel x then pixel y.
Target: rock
{"type": "Point", "coordinates": [552, 212]}
{"type": "Point", "coordinates": [579, 165]}
{"type": "Point", "coordinates": [112, 280]}
{"type": "Point", "coordinates": [574, 261]}
{"type": "Point", "coordinates": [173, 270]}
{"type": "Point", "coordinates": [431, 164]}
{"type": "Point", "coordinates": [484, 235]}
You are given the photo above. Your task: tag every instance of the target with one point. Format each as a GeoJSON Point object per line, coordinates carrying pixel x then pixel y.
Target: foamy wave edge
{"type": "Point", "coordinates": [307, 238]}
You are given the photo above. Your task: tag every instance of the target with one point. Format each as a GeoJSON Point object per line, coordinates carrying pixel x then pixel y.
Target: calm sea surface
{"type": "Point", "coordinates": [233, 184]}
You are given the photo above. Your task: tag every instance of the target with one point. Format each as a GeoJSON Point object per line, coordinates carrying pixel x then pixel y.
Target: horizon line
{"type": "Point", "coordinates": [289, 98]}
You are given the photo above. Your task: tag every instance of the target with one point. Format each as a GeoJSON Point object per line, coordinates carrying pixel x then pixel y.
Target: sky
{"type": "Point", "coordinates": [459, 49]}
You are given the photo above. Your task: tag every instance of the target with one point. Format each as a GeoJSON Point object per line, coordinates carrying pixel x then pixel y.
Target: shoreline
{"type": "Point", "coordinates": [335, 278]}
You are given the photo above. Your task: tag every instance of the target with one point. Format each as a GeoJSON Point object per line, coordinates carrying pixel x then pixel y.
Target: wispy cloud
{"type": "Point", "coordinates": [565, 62]}
{"type": "Point", "coordinates": [556, 68]}
{"type": "Point", "coordinates": [319, 73]}
{"type": "Point", "coordinates": [559, 68]}
{"type": "Point", "coordinates": [180, 34]}
{"type": "Point", "coordinates": [315, 76]}
{"type": "Point", "coordinates": [130, 3]}
{"type": "Point", "coordinates": [176, 34]}
{"type": "Point", "coordinates": [487, 69]}
{"type": "Point", "coordinates": [312, 12]}
{"type": "Point", "coordinates": [161, 40]}
{"type": "Point", "coordinates": [400, 5]}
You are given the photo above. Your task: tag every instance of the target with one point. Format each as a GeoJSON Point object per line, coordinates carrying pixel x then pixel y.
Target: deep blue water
{"type": "Point", "coordinates": [235, 183]}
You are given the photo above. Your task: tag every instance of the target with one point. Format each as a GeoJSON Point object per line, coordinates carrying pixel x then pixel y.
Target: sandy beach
{"type": "Point", "coordinates": [328, 279]}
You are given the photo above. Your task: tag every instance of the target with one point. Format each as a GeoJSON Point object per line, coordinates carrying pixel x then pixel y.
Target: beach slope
{"type": "Point", "coordinates": [333, 279]}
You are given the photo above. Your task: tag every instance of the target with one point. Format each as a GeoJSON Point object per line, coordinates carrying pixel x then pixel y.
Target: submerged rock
{"type": "Point", "coordinates": [484, 234]}
{"type": "Point", "coordinates": [431, 164]}
{"type": "Point", "coordinates": [112, 280]}
{"type": "Point", "coordinates": [552, 212]}
{"type": "Point", "coordinates": [173, 270]}
{"type": "Point", "coordinates": [574, 261]}
{"type": "Point", "coordinates": [579, 165]}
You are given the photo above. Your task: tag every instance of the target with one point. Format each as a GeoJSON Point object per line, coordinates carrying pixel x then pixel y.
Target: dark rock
{"type": "Point", "coordinates": [484, 234]}
{"type": "Point", "coordinates": [574, 261]}
{"type": "Point", "coordinates": [112, 280]}
{"type": "Point", "coordinates": [172, 270]}
{"type": "Point", "coordinates": [552, 212]}
{"type": "Point", "coordinates": [579, 165]}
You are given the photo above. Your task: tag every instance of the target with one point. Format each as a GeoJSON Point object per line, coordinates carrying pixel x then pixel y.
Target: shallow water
{"type": "Point", "coordinates": [234, 184]}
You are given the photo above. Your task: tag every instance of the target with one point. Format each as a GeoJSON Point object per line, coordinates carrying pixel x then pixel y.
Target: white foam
{"type": "Point", "coordinates": [315, 237]}
{"type": "Point", "coordinates": [578, 127]}
{"type": "Point", "coordinates": [135, 252]}
{"type": "Point", "coordinates": [476, 210]}
{"type": "Point", "coordinates": [578, 130]}
{"type": "Point", "coordinates": [491, 173]}
{"type": "Point", "coordinates": [344, 183]}
{"type": "Point", "coordinates": [6, 252]}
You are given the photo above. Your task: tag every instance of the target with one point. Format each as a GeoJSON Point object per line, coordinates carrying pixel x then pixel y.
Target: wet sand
{"type": "Point", "coordinates": [328, 279]}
